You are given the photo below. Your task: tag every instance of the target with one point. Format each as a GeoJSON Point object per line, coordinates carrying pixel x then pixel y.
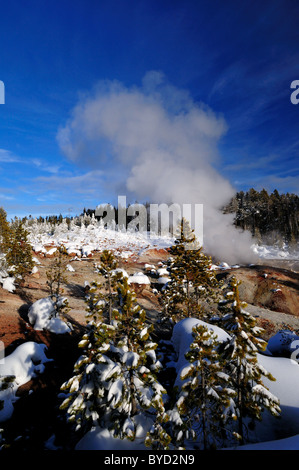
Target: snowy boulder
{"type": "Point", "coordinates": [223, 265]}
{"type": "Point", "coordinates": [284, 344]}
{"type": "Point", "coordinates": [149, 268]}
{"type": "Point", "coordinates": [138, 281]}
{"type": "Point", "coordinates": [42, 315]}
{"type": "Point", "coordinates": [8, 284]}
{"type": "Point", "coordinates": [35, 272]}
{"type": "Point", "coordinates": [39, 249]}
{"type": "Point", "coordinates": [162, 272]}
{"type": "Point", "coordinates": [73, 251]}
{"type": "Point", "coordinates": [138, 278]}
{"type": "Point", "coordinates": [23, 364]}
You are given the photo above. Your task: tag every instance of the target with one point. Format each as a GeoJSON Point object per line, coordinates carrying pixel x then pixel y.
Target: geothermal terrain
{"type": "Point", "coordinates": [270, 287]}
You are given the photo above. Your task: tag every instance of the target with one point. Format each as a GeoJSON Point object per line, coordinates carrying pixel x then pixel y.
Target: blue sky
{"type": "Point", "coordinates": [234, 61]}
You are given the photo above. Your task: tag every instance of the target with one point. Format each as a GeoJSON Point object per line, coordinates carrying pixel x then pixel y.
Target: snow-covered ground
{"type": "Point", "coordinates": [276, 252]}
{"type": "Point", "coordinates": [81, 242]}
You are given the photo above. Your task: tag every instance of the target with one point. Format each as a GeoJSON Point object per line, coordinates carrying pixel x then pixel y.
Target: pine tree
{"type": "Point", "coordinates": [4, 229]}
{"type": "Point", "coordinates": [240, 354]}
{"type": "Point", "coordinates": [18, 252]}
{"type": "Point", "coordinates": [191, 278]}
{"type": "Point", "coordinates": [56, 277]}
{"type": "Point", "coordinates": [205, 399]}
{"type": "Point", "coordinates": [115, 379]}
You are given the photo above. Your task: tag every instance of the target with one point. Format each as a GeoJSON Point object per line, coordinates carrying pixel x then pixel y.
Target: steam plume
{"type": "Point", "coordinates": [161, 146]}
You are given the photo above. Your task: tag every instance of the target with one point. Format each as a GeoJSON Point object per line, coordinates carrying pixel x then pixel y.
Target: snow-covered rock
{"type": "Point", "coordinates": [24, 363]}
{"type": "Point", "coordinates": [138, 278]}
{"type": "Point", "coordinates": [163, 280]}
{"type": "Point", "coordinates": [162, 272]}
{"type": "Point", "coordinates": [38, 248]}
{"type": "Point", "coordinates": [41, 316]}
{"type": "Point", "coordinates": [8, 284]}
{"type": "Point", "coordinates": [284, 343]}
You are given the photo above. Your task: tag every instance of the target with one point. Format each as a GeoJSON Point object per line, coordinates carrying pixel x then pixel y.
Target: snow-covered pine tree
{"type": "Point", "coordinates": [85, 404]}
{"type": "Point", "coordinates": [133, 386]}
{"type": "Point", "coordinates": [18, 252]}
{"type": "Point", "coordinates": [115, 379]}
{"type": "Point", "coordinates": [240, 354]}
{"type": "Point", "coordinates": [191, 278]}
{"type": "Point", "coordinates": [4, 230]}
{"type": "Point", "coordinates": [205, 396]}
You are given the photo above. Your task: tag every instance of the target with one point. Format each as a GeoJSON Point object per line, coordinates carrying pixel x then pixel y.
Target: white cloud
{"type": "Point", "coordinates": [80, 184]}
{"type": "Point", "coordinates": [6, 156]}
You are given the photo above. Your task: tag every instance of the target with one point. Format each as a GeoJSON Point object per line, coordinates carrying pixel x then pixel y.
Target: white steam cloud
{"type": "Point", "coordinates": [164, 147]}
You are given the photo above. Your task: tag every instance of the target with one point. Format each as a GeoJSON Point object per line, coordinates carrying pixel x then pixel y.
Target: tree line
{"type": "Point", "coordinates": [271, 218]}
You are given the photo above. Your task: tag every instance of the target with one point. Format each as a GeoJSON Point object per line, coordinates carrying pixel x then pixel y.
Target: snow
{"type": "Point", "coordinates": [82, 241]}
{"type": "Point", "coordinates": [38, 248]}
{"type": "Point", "coordinates": [24, 363]}
{"type": "Point", "coordinates": [162, 272]}
{"type": "Point", "coordinates": [41, 316]}
{"type": "Point", "coordinates": [8, 284]}
{"type": "Point", "coordinates": [70, 268]}
{"type": "Point", "coordinates": [102, 439]}
{"type": "Point", "coordinates": [275, 252]}
{"type": "Point", "coordinates": [120, 271]}
{"type": "Point", "coordinates": [163, 280]}
{"type": "Point", "coordinates": [51, 251]}
{"type": "Point", "coordinates": [290, 443]}
{"type": "Point", "coordinates": [138, 278]}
